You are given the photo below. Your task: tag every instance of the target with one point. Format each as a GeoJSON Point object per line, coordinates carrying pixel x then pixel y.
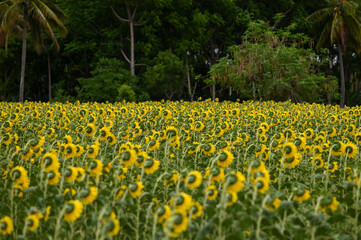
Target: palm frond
{"type": "Point", "coordinates": [41, 19]}
{"type": "Point", "coordinates": [324, 40]}
{"type": "Point", "coordinates": [320, 15]}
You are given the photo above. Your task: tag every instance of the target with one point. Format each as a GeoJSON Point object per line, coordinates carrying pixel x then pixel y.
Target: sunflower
{"type": "Point", "coordinates": [235, 182]}
{"type": "Point", "coordinates": [232, 198]}
{"type": "Point", "coordinates": [171, 178]}
{"type": "Point", "coordinates": [151, 165]}
{"type": "Point", "coordinates": [194, 179]}
{"type": "Point", "coordinates": [198, 126]}
{"type": "Point", "coordinates": [73, 210]}
{"type": "Point", "coordinates": [176, 224]}
{"type": "Point", "coordinates": [120, 192]}
{"type": "Point", "coordinates": [90, 130]}
{"type": "Point", "coordinates": [163, 213]}
{"type": "Point", "coordinates": [95, 167]}
{"type": "Point", "coordinates": [153, 145]}
{"type": "Point", "coordinates": [135, 189]}
{"type": "Point", "coordinates": [332, 166]}
{"type": "Point", "coordinates": [104, 132]}
{"type": "Point", "coordinates": [358, 137]}
{"type": "Point", "coordinates": [70, 150]}
{"type": "Point", "coordinates": [289, 149]}
{"type": "Point", "coordinates": [302, 195]}
{"type": "Point", "coordinates": [273, 204]}
{"type": "Point", "coordinates": [217, 174]}
{"type": "Point", "coordinates": [317, 161]}
{"type": "Point", "coordinates": [89, 195]}
{"type": "Point", "coordinates": [289, 134]}
{"type": "Point", "coordinates": [328, 204]}
{"type": "Point", "coordinates": [300, 142]}
{"type": "Point", "coordinates": [212, 192]}
{"type": "Point", "coordinates": [6, 225]}
{"type": "Point", "coordinates": [171, 132]}
{"type": "Point", "coordinates": [81, 174]}
{"type": "Point", "coordinates": [19, 174]}
{"type": "Point", "coordinates": [27, 154]}
{"type": "Point", "coordinates": [350, 150]}
{"type": "Point", "coordinates": [68, 139]}
{"type": "Point", "coordinates": [32, 222]}
{"type": "Point", "coordinates": [112, 227]}
{"type": "Point", "coordinates": [70, 174]}
{"type": "Point", "coordinates": [196, 209]}
{"type": "Point", "coordinates": [218, 131]}
{"type": "Point", "coordinates": [293, 161]}
{"type": "Point", "coordinates": [111, 139]}
{"type": "Point", "coordinates": [93, 150]}
{"type": "Point", "coordinates": [53, 177]}
{"type": "Point", "coordinates": [128, 157]}
{"type": "Point", "coordinates": [225, 158]}
{"type": "Point", "coordinates": [36, 143]}
{"type": "Point", "coordinates": [69, 193]}
{"type": "Point", "coordinates": [181, 201]}
{"type": "Point", "coordinates": [261, 184]}
{"type": "Point", "coordinates": [208, 149]}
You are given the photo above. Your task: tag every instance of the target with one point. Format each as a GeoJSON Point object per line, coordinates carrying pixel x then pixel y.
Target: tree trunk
{"type": "Point", "coordinates": [343, 88]}
{"type": "Point", "coordinates": [49, 73]}
{"type": "Point", "coordinates": [23, 56]}
{"type": "Point", "coordinates": [132, 61]}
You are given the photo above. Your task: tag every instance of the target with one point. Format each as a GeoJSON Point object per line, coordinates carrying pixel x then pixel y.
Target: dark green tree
{"type": "Point", "coordinates": [36, 17]}
{"type": "Point", "coordinates": [340, 24]}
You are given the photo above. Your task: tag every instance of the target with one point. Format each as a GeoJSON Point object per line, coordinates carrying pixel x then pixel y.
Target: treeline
{"type": "Point", "coordinates": [182, 49]}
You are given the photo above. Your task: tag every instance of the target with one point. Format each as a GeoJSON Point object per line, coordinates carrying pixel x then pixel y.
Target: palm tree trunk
{"type": "Point", "coordinates": [23, 56]}
{"type": "Point", "coordinates": [343, 88]}
{"type": "Point", "coordinates": [49, 73]}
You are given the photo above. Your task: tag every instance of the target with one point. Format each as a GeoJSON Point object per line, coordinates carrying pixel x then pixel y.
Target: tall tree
{"type": "Point", "coordinates": [340, 24]}
{"type": "Point", "coordinates": [35, 16]}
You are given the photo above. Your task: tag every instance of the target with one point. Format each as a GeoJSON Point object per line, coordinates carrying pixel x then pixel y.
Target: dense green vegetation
{"type": "Point", "coordinates": [184, 49]}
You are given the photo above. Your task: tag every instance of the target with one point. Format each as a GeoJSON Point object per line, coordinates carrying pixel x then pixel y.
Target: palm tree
{"type": "Point", "coordinates": [340, 23]}
{"type": "Point", "coordinates": [36, 17]}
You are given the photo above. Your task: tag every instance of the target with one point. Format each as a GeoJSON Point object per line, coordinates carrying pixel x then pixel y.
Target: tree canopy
{"type": "Point", "coordinates": [180, 50]}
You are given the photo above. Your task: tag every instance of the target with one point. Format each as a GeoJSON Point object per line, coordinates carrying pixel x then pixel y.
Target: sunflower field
{"type": "Point", "coordinates": [179, 170]}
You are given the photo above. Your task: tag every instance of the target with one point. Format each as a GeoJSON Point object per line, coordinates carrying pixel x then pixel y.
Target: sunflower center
{"type": "Point", "coordinates": [160, 211]}
{"type": "Point", "coordinates": [191, 179]}
{"type": "Point", "coordinates": [84, 193]}
{"type": "Point", "coordinates": [91, 150]}
{"type": "Point", "coordinates": [326, 201]}
{"type": "Point", "coordinates": [16, 174]}
{"type": "Point", "coordinates": [349, 149]}
{"type": "Point", "coordinates": [179, 200]}
{"type": "Point", "coordinates": [51, 175]}
{"type": "Point", "coordinates": [30, 222]}
{"type": "Point", "coordinates": [110, 225]}
{"type": "Point", "coordinates": [69, 208]}
{"type": "Point", "coordinates": [178, 218]}
{"type": "Point", "coordinates": [231, 179]}
{"type": "Point", "coordinates": [68, 172]}
{"type": "Point", "coordinates": [207, 148]}
{"type": "Point", "coordinates": [222, 157]}
{"type": "Point", "coordinates": [89, 129]}
{"type": "Point", "coordinates": [133, 187]}
{"type": "Point", "coordinates": [288, 149]}
{"type": "Point", "coordinates": [210, 192]}
{"type": "Point", "coordinates": [215, 172]}
{"type": "Point", "coordinates": [148, 163]}
{"type": "Point", "coordinates": [126, 156]}
{"type": "Point", "coordinates": [3, 225]}
{"type": "Point", "coordinates": [259, 184]}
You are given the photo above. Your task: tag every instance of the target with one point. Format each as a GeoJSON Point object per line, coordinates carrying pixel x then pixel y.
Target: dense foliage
{"type": "Point", "coordinates": [170, 46]}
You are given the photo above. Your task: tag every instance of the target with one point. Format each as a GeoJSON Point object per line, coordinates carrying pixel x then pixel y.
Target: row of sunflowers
{"type": "Point", "coordinates": [187, 170]}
